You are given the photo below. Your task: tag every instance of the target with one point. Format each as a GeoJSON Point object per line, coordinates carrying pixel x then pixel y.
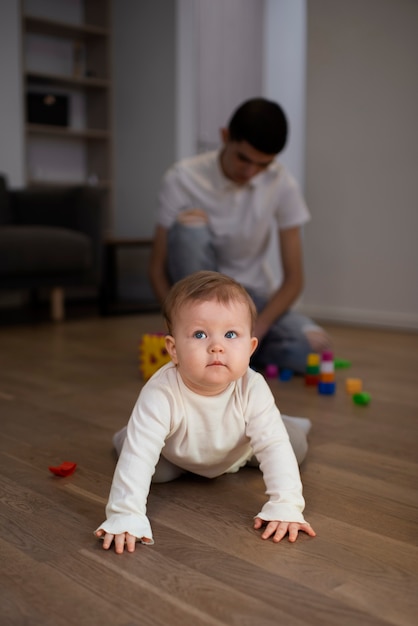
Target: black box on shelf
{"type": "Point", "coordinates": [47, 108]}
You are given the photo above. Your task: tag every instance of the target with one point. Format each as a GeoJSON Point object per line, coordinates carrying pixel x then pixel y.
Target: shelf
{"type": "Point", "coordinates": [68, 133]}
{"type": "Point", "coordinates": [71, 59]}
{"type": "Point", "coordinates": [102, 184]}
{"type": "Point", "coordinates": [42, 26]}
{"type": "Point", "coordinates": [62, 79]}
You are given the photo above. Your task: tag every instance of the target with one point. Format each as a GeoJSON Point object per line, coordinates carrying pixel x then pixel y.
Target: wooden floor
{"type": "Point", "coordinates": [64, 389]}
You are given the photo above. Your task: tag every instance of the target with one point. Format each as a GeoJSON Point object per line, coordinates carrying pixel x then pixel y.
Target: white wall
{"type": "Point", "coordinates": [229, 62]}
{"type": "Point", "coordinates": [11, 107]}
{"type": "Point", "coordinates": [361, 252]}
{"type": "Point", "coordinates": [186, 79]}
{"type": "Point", "coordinates": [284, 73]}
{"type": "Point", "coordinates": [144, 109]}
{"type": "Point", "coordinates": [227, 52]}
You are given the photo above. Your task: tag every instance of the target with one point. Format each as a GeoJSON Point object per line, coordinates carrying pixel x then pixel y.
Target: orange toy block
{"type": "Point", "coordinates": [353, 385]}
{"type": "Point", "coordinates": [327, 377]}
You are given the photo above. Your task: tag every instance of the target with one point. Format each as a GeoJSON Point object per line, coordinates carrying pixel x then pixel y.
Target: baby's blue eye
{"type": "Point", "coordinates": [231, 334]}
{"type": "Point", "coordinates": [199, 334]}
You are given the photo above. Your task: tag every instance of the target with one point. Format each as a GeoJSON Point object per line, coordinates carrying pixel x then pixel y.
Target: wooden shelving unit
{"type": "Point", "coordinates": [68, 54]}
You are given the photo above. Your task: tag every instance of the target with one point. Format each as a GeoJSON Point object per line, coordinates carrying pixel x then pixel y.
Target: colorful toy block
{"type": "Point", "coordinates": [271, 371]}
{"type": "Point", "coordinates": [152, 354]}
{"type": "Point", "coordinates": [327, 377]}
{"type": "Point", "coordinates": [327, 367]}
{"type": "Point", "coordinates": [327, 355]}
{"type": "Point", "coordinates": [362, 398]}
{"type": "Point", "coordinates": [313, 359]}
{"type": "Point", "coordinates": [341, 363]}
{"type": "Point", "coordinates": [312, 369]}
{"type": "Point", "coordinates": [326, 384]}
{"type": "Point", "coordinates": [353, 385]}
{"type": "Point", "coordinates": [285, 374]}
{"type": "Point", "coordinates": [326, 389]}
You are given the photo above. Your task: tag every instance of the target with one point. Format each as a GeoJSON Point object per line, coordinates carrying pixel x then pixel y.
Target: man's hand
{"type": "Point", "coordinates": [193, 217]}
{"type": "Point", "coordinates": [120, 540]}
{"type": "Point", "coordinates": [279, 529]}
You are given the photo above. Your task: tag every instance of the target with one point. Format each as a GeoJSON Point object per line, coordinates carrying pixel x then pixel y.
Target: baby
{"type": "Point", "coordinates": [206, 412]}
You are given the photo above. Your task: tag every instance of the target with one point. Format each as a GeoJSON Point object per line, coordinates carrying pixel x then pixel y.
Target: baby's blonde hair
{"type": "Point", "coordinates": [202, 287]}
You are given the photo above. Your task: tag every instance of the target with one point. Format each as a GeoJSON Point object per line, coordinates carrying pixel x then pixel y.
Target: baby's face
{"type": "Point", "coordinates": [211, 344]}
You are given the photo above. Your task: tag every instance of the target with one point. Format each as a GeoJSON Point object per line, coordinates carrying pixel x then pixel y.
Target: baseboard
{"type": "Point", "coordinates": [361, 317]}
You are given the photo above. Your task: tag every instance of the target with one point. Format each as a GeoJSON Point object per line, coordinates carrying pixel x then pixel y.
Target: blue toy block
{"type": "Point", "coordinates": [285, 374]}
{"type": "Point", "coordinates": [326, 389]}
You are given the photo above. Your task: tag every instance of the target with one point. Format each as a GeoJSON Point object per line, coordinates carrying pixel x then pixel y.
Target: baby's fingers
{"type": "Point", "coordinates": [107, 538]}
{"type": "Point", "coordinates": [281, 531]}
{"type": "Point", "coordinates": [130, 542]}
{"type": "Point", "coordinates": [295, 528]}
{"type": "Point", "coordinates": [307, 528]}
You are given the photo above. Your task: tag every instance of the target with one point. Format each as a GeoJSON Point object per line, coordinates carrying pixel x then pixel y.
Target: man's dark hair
{"type": "Point", "coordinates": [261, 123]}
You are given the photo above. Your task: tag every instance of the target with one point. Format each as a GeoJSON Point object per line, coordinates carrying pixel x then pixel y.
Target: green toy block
{"type": "Point", "coordinates": [362, 398]}
{"type": "Point", "coordinates": [341, 363]}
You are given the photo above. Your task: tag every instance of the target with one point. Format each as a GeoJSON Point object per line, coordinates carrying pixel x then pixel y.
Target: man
{"type": "Point", "coordinates": [236, 211]}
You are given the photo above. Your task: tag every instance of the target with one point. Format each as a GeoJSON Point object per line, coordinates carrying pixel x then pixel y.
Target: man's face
{"type": "Point", "coordinates": [240, 161]}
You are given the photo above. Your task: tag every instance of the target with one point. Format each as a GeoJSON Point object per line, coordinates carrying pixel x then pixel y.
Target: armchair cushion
{"type": "Point", "coordinates": [5, 214]}
{"type": "Point", "coordinates": [50, 237]}
{"type": "Point", "coordinates": [32, 250]}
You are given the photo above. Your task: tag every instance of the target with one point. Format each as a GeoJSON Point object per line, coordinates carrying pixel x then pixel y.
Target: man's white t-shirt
{"type": "Point", "coordinates": [244, 219]}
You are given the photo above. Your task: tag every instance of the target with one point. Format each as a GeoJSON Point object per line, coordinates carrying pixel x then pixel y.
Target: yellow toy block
{"type": "Point", "coordinates": [353, 385]}
{"type": "Point", "coordinates": [313, 359]}
{"type": "Point", "coordinates": [152, 354]}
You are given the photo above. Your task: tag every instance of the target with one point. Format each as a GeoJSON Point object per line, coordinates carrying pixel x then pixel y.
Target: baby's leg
{"type": "Point", "coordinates": [164, 471]}
{"type": "Point", "coordinates": [118, 440]}
{"type": "Point", "coordinates": [297, 435]}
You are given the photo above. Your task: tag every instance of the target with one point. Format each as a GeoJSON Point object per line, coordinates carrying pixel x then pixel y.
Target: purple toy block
{"type": "Point", "coordinates": [271, 371]}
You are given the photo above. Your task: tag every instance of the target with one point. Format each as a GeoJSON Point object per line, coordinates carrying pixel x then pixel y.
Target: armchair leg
{"type": "Point", "coordinates": [57, 304]}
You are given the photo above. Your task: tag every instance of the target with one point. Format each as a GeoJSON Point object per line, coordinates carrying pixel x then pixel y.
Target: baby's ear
{"type": "Point", "coordinates": [170, 345]}
{"type": "Point", "coordinates": [254, 344]}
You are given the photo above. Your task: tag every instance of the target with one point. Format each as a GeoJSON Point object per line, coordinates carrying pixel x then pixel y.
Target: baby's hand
{"type": "Point", "coordinates": [280, 529]}
{"type": "Point", "coordinates": [121, 540]}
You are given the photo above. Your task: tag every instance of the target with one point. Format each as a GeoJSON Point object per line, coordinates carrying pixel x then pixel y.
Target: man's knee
{"type": "Point", "coordinates": [189, 249]}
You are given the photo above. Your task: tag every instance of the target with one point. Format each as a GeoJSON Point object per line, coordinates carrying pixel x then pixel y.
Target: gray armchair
{"type": "Point", "coordinates": [50, 238]}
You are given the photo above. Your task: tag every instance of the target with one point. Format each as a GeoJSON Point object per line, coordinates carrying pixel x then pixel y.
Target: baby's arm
{"type": "Point", "coordinates": [280, 529]}
{"type": "Point", "coordinates": [282, 514]}
{"type": "Point", "coordinates": [126, 521]}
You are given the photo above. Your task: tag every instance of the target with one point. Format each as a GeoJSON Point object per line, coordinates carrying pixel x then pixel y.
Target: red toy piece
{"type": "Point", "coordinates": [65, 469]}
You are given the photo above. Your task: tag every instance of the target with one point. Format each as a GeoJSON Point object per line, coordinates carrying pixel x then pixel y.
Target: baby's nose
{"type": "Point", "coordinates": [216, 347]}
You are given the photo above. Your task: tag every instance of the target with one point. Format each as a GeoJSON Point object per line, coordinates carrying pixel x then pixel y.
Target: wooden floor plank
{"type": "Point", "coordinates": [50, 595]}
{"type": "Point", "coordinates": [64, 390]}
